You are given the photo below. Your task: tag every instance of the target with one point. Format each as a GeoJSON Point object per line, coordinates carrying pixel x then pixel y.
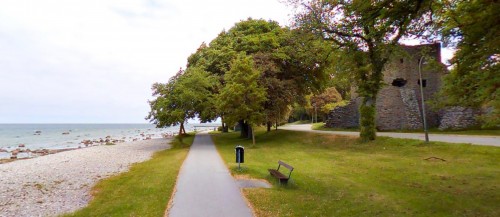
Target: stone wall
{"type": "Point", "coordinates": [399, 101]}
{"type": "Point", "coordinates": [412, 109]}
{"type": "Point", "coordinates": [344, 116]}
{"type": "Point", "coordinates": [405, 65]}
{"type": "Point", "coordinates": [458, 117]}
{"type": "Point", "coordinates": [390, 109]}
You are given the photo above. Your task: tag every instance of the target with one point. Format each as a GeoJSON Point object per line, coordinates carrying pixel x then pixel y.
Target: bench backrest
{"type": "Point", "coordinates": [285, 165]}
{"type": "Point", "coordinates": [281, 163]}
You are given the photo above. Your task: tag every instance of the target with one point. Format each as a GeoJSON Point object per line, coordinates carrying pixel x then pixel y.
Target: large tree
{"type": "Point", "coordinates": [472, 27]}
{"type": "Point", "coordinates": [368, 32]}
{"type": "Point", "coordinates": [183, 97]}
{"type": "Point", "coordinates": [242, 98]}
{"type": "Point", "coordinates": [291, 62]}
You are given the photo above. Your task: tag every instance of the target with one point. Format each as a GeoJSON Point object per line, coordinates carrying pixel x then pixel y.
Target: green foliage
{"type": "Point", "coordinates": [367, 122]}
{"type": "Point", "coordinates": [340, 72]}
{"type": "Point", "coordinates": [165, 109]}
{"type": "Point", "coordinates": [184, 96]}
{"type": "Point", "coordinates": [292, 63]}
{"type": "Point", "coordinates": [326, 101]}
{"type": "Point", "coordinates": [474, 80]}
{"type": "Point", "coordinates": [242, 98]}
{"type": "Point", "coordinates": [367, 33]}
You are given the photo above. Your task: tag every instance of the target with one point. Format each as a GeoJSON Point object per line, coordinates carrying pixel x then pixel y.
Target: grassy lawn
{"type": "Point", "coordinates": [477, 132]}
{"type": "Point", "coordinates": [144, 190]}
{"type": "Point", "coordinates": [321, 126]}
{"type": "Point", "coordinates": [337, 176]}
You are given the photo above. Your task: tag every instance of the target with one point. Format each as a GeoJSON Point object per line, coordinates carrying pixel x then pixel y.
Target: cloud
{"type": "Point", "coordinates": [95, 60]}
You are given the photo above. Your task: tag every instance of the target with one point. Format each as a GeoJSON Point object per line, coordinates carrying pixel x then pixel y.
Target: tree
{"type": "Point", "coordinates": [242, 98]}
{"type": "Point", "coordinates": [368, 32]}
{"type": "Point", "coordinates": [474, 81]}
{"type": "Point", "coordinates": [215, 59]}
{"type": "Point", "coordinates": [292, 62]}
{"type": "Point", "coordinates": [183, 97]}
{"type": "Point", "coordinates": [323, 103]}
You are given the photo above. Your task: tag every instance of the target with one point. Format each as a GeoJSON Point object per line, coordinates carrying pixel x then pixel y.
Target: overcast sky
{"type": "Point", "coordinates": [93, 61]}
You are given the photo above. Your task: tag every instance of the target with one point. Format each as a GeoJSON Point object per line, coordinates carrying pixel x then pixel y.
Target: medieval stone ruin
{"type": "Point", "coordinates": [399, 101]}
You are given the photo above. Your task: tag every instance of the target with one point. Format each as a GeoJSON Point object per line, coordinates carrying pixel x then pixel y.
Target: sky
{"type": "Point", "coordinates": [94, 61]}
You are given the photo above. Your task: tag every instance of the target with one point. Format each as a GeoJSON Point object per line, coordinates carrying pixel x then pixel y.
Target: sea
{"type": "Point", "coordinates": [63, 136]}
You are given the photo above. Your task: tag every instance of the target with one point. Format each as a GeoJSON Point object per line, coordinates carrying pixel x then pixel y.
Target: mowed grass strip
{"type": "Point", "coordinates": [339, 176]}
{"type": "Point", "coordinates": [142, 191]}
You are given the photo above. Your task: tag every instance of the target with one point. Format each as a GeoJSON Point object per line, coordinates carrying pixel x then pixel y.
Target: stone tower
{"type": "Point", "coordinates": [399, 100]}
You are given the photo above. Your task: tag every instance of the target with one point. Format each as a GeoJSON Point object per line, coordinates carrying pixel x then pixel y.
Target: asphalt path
{"type": "Point", "coordinates": [205, 186]}
{"type": "Point", "coordinates": [451, 138]}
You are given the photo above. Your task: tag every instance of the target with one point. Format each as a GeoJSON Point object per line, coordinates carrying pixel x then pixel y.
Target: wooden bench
{"type": "Point", "coordinates": [282, 177]}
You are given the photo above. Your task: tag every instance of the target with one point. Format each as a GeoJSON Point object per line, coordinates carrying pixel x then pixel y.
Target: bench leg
{"type": "Point", "coordinates": [284, 181]}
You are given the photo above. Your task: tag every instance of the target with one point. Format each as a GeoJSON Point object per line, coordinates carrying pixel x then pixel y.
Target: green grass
{"type": "Point", "coordinates": [321, 126]}
{"type": "Point", "coordinates": [477, 132]}
{"type": "Point", "coordinates": [338, 176]}
{"type": "Point", "coordinates": [142, 191]}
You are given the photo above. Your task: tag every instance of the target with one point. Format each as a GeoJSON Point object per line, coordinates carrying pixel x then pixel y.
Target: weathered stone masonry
{"type": "Point", "coordinates": [399, 101]}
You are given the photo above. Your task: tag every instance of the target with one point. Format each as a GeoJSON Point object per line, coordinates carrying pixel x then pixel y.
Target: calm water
{"type": "Point", "coordinates": [52, 137]}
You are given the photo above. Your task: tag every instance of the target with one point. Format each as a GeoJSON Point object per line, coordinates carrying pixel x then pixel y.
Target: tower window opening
{"type": "Point", "coordinates": [398, 82]}
{"type": "Point", "coordinates": [424, 82]}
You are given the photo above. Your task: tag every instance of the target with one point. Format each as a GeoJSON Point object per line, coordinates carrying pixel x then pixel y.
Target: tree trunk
{"type": "Point", "coordinates": [367, 111]}
{"type": "Point", "coordinates": [253, 136]}
{"type": "Point", "coordinates": [181, 127]}
{"type": "Point", "coordinates": [269, 125]}
{"type": "Point", "coordinates": [276, 127]}
{"type": "Point", "coordinates": [244, 129]}
{"type": "Point", "coordinates": [225, 128]}
{"type": "Point", "coordinates": [250, 131]}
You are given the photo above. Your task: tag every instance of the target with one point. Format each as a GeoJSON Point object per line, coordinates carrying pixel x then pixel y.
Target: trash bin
{"type": "Point", "coordinates": [240, 154]}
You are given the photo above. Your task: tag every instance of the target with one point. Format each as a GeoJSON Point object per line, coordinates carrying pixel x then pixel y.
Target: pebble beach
{"type": "Point", "coordinates": [60, 183]}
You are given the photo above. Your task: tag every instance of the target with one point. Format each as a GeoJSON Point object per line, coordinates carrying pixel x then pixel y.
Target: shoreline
{"type": "Point", "coordinates": [60, 183]}
{"type": "Point", "coordinates": [22, 152]}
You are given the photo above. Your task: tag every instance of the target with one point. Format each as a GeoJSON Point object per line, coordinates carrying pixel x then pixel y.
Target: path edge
{"type": "Point", "coordinates": [170, 203]}
{"type": "Point", "coordinates": [250, 206]}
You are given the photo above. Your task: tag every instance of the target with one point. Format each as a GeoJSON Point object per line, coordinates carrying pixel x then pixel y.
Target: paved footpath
{"type": "Point", "coordinates": [452, 138]}
{"type": "Point", "coordinates": [205, 187]}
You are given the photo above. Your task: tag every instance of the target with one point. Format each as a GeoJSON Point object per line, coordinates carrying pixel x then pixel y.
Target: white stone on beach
{"type": "Point", "coordinates": [59, 183]}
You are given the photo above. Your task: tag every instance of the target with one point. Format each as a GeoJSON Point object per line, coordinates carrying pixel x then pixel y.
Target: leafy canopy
{"type": "Point", "coordinates": [181, 98]}
{"type": "Point", "coordinates": [474, 81]}
{"type": "Point", "coordinates": [242, 98]}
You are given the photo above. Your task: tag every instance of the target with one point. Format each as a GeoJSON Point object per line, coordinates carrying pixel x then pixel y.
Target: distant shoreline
{"type": "Point", "coordinates": [24, 141]}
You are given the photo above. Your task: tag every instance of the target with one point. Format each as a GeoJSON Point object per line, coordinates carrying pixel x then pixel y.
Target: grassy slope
{"type": "Point", "coordinates": [321, 126]}
{"type": "Point", "coordinates": [144, 190]}
{"type": "Point", "coordinates": [336, 176]}
{"type": "Point", "coordinates": [482, 132]}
